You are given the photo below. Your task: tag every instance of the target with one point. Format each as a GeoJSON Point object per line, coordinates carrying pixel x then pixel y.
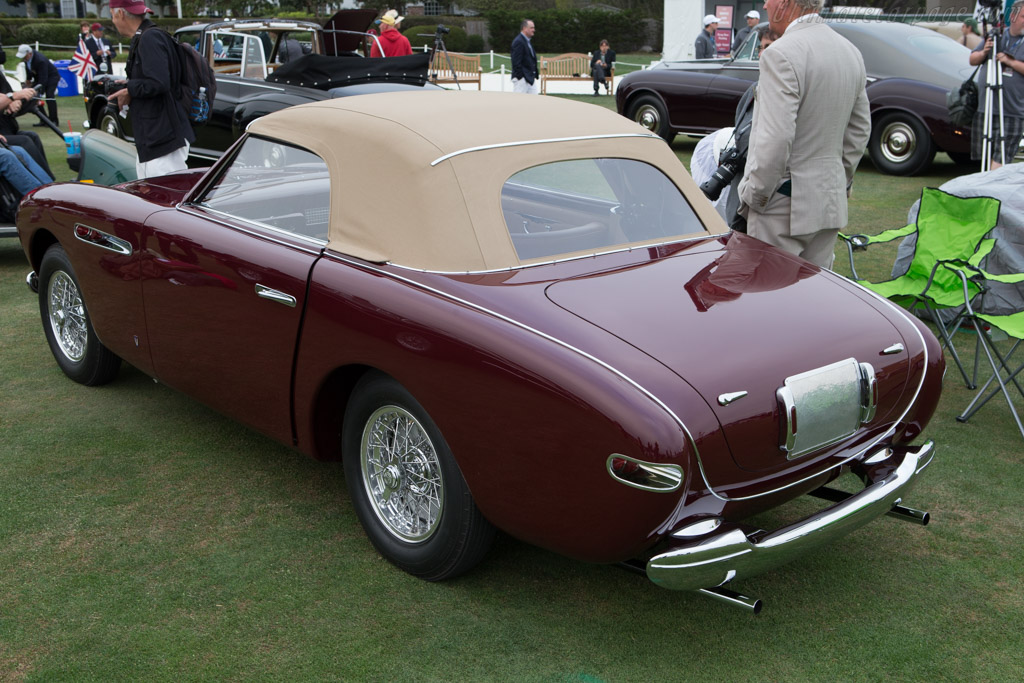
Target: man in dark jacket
{"type": "Point", "coordinates": [525, 75]}
{"type": "Point", "coordinates": [601, 64]}
{"type": "Point", "coordinates": [158, 119]}
{"type": "Point", "coordinates": [100, 49]}
{"type": "Point", "coordinates": [42, 74]}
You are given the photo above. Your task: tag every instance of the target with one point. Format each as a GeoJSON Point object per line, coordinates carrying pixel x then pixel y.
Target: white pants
{"type": "Point", "coordinates": [168, 163]}
{"type": "Point", "coordinates": [520, 85]}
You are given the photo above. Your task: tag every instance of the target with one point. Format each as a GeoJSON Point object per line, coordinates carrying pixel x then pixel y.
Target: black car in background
{"type": "Point", "coordinates": [256, 75]}
{"type": "Point", "coordinates": [910, 69]}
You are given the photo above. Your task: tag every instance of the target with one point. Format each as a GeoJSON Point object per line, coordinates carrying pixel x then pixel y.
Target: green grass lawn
{"type": "Point", "coordinates": [144, 537]}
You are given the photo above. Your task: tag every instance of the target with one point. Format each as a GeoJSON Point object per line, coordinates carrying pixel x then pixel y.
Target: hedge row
{"type": "Point", "coordinates": [557, 30]}
{"type": "Point", "coordinates": [561, 31]}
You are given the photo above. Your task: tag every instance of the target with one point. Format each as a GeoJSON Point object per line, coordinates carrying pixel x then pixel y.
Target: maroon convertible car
{"type": "Point", "coordinates": [541, 327]}
{"type": "Point", "coordinates": [910, 69]}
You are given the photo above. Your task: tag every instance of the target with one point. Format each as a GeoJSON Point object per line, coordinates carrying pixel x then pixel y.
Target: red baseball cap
{"type": "Point", "coordinates": [130, 6]}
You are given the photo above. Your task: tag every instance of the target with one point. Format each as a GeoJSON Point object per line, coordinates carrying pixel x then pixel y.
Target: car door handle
{"type": "Point", "coordinates": [265, 292]}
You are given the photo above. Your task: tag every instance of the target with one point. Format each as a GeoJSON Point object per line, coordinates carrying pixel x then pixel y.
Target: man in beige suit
{"type": "Point", "coordinates": [811, 124]}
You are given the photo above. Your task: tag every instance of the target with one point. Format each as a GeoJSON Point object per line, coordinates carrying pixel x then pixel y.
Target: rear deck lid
{"type": "Point", "coordinates": [780, 350]}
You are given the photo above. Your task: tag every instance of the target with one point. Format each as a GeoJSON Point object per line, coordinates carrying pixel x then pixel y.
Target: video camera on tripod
{"type": "Point", "coordinates": [990, 13]}
{"type": "Point", "coordinates": [439, 48]}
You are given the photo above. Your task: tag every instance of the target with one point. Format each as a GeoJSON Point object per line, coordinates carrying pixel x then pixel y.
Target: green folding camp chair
{"type": "Point", "coordinates": [949, 229]}
{"type": "Point", "coordinates": [972, 277]}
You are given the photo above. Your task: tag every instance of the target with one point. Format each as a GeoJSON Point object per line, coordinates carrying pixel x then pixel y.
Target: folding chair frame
{"type": "Point", "coordinates": [982, 323]}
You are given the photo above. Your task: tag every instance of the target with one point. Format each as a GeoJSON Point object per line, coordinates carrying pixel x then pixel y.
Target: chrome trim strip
{"type": "Point", "coordinates": [190, 209]}
{"type": "Point", "coordinates": [280, 297]}
{"type": "Point", "coordinates": [103, 240]}
{"type": "Point", "coordinates": [632, 247]}
{"type": "Point", "coordinates": [731, 397]}
{"type": "Point", "coordinates": [252, 84]}
{"type": "Point", "coordinates": [518, 143]}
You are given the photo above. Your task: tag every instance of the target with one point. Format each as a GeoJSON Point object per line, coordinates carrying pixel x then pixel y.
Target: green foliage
{"type": "Point", "coordinates": [474, 43]}
{"type": "Point", "coordinates": [569, 30]}
{"type": "Point", "coordinates": [49, 33]}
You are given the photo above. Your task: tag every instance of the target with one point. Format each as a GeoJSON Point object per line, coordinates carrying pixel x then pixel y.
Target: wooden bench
{"type": "Point", "coordinates": [572, 66]}
{"type": "Point", "coordinates": [465, 68]}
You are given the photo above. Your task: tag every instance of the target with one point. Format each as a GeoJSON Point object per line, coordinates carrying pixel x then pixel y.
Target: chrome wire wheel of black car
{"type": "Point", "coordinates": [67, 326]}
{"type": "Point", "coordinates": [650, 113]}
{"type": "Point", "coordinates": [406, 487]}
{"type": "Point", "coordinates": [901, 145]}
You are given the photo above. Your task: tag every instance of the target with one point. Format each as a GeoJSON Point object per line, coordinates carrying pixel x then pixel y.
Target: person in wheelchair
{"type": "Point", "coordinates": [19, 169]}
{"type": "Point", "coordinates": [12, 105]}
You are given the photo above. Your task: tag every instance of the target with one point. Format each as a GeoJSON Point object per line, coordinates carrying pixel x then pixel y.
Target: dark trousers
{"type": "Point", "coordinates": [51, 104]}
{"type": "Point", "coordinates": [600, 74]}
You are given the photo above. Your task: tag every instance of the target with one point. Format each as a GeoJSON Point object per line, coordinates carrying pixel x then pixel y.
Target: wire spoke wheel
{"type": "Point", "coordinates": [402, 474]}
{"type": "Point", "coordinates": [406, 487]}
{"type": "Point", "coordinates": [67, 316]}
{"type": "Point", "coordinates": [66, 323]}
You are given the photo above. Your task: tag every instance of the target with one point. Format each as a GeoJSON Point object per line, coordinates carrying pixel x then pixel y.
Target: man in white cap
{"type": "Point", "coordinates": [705, 44]}
{"type": "Point", "coordinates": [42, 74]}
{"type": "Point", "coordinates": [393, 43]}
{"type": "Point", "coordinates": [159, 120]}
{"type": "Point", "coordinates": [753, 18]}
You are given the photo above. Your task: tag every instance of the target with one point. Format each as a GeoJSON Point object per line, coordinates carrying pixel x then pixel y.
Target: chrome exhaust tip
{"type": "Point", "coordinates": [733, 598]}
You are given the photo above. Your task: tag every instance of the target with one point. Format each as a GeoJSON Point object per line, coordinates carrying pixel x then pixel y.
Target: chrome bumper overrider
{"type": "Point", "coordinates": [733, 551]}
{"type": "Point", "coordinates": [32, 280]}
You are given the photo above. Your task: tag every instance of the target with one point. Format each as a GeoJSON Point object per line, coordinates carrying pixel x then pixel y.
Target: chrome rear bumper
{"type": "Point", "coordinates": [732, 551]}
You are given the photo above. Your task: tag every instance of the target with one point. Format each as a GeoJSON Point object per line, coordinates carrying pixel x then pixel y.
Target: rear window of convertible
{"type": "Point", "coordinates": [592, 205]}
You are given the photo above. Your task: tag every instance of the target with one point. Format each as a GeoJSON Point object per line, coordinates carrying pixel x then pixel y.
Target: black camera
{"type": "Point", "coordinates": [732, 163]}
{"type": "Point", "coordinates": [442, 29]}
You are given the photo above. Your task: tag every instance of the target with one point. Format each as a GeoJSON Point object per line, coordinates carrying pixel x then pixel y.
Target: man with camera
{"type": "Point", "coordinates": [1010, 56]}
{"type": "Point", "coordinates": [810, 126]}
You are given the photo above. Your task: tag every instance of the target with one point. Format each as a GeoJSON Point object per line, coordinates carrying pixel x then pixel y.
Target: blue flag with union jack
{"type": "Point", "coordinates": [82, 62]}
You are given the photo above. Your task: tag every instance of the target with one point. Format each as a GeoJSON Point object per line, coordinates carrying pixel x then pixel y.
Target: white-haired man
{"type": "Point", "coordinates": [811, 124]}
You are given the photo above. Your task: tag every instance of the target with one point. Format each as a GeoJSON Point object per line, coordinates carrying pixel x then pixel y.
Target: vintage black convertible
{"type": "Point", "coordinates": [256, 75]}
{"type": "Point", "coordinates": [910, 70]}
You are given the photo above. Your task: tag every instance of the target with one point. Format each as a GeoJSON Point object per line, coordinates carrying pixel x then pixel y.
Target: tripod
{"type": "Point", "coordinates": [439, 48]}
{"type": "Point", "coordinates": [993, 94]}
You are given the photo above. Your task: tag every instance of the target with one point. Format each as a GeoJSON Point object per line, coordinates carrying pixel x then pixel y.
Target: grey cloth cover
{"type": "Point", "coordinates": [1007, 185]}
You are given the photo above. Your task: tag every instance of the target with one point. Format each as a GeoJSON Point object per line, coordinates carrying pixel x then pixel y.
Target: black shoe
{"type": "Point", "coordinates": [43, 125]}
{"type": "Point", "coordinates": [595, 93]}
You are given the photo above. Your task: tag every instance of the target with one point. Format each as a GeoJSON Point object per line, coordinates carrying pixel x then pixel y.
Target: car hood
{"type": "Point", "coordinates": [742, 324]}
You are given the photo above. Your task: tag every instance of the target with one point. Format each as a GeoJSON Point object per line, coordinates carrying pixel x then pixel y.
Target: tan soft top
{"type": "Point", "coordinates": [396, 194]}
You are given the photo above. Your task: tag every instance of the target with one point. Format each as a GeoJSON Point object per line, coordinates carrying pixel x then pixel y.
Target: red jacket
{"type": "Point", "coordinates": [393, 43]}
